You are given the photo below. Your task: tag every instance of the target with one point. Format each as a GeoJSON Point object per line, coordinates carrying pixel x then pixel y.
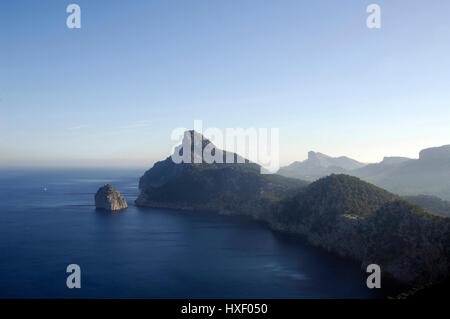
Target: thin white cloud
{"type": "Point", "coordinates": [78, 127]}
{"type": "Point", "coordinates": [137, 124]}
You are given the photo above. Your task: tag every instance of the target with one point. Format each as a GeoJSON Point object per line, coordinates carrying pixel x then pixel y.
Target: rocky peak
{"type": "Point", "coordinates": [108, 198]}
{"type": "Point", "coordinates": [435, 153]}
{"type": "Point", "coordinates": [323, 160]}
{"type": "Point", "coordinates": [196, 144]}
{"type": "Point", "coordinates": [318, 158]}
{"type": "Point", "coordinates": [394, 160]}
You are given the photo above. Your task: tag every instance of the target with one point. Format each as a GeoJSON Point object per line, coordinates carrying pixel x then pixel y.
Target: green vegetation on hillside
{"type": "Point", "coordinates": [233, 188]}
{"type": "Point", "coordinates": [331, 196]}
{"type": "Point", "coordinates": [340, 213]}
{"type": "Point", "coordinates": [432, 203]}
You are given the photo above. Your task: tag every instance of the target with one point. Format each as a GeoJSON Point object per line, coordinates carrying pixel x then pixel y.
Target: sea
{"type": "Point", "coordinates": [48, 221]}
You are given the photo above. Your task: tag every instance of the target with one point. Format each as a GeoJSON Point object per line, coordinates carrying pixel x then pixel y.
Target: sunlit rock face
{"type": "Point", "coordinates": [108, 198]}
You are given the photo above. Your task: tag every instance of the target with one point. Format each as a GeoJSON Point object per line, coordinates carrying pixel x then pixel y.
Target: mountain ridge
{"type": "Point", "coordinates": [319, 165]}
{"type": "Point", "coordinates": [429, 174]}
{"type": "Point", "coordinates": [355, 219]}
{"type": "Point", "coordinates": [340, 213]}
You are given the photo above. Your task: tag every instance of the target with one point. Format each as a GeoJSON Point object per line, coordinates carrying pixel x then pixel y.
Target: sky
{"type": "Point", "coordinates": [112, 92]}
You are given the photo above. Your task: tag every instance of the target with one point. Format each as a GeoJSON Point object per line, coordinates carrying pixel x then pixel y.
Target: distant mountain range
{"type": "Point", "coordinates": [429, 175]}
{"type": "Point", "coordinates": [319, 165]}
{"type": "Point", "coordinates": [339, 213]}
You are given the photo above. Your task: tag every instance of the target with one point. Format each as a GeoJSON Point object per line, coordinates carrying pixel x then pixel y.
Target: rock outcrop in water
{"type": "Point", "coordinates": [339, 213]}
{"type": "Point", "coordinates": [108, 198]}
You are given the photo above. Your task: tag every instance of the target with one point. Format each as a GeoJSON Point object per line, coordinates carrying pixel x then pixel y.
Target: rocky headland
{"type": "Point", "coordinates": [339, 213]}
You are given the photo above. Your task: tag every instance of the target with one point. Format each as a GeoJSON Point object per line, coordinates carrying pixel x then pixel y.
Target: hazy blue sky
{"type": "Point", "coordinates": [111, 92]}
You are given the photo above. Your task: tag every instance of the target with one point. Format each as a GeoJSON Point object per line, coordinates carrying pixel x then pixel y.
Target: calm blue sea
{"type": "Point", "coordinates": [48, 221]}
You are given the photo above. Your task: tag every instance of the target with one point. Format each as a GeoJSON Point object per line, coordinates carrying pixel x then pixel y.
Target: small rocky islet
{"type": "Point", "coordinates": [108, 198]}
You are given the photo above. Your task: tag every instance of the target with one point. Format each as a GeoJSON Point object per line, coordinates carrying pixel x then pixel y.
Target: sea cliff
{"type": "Point", "coordinates": [339, 213]}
